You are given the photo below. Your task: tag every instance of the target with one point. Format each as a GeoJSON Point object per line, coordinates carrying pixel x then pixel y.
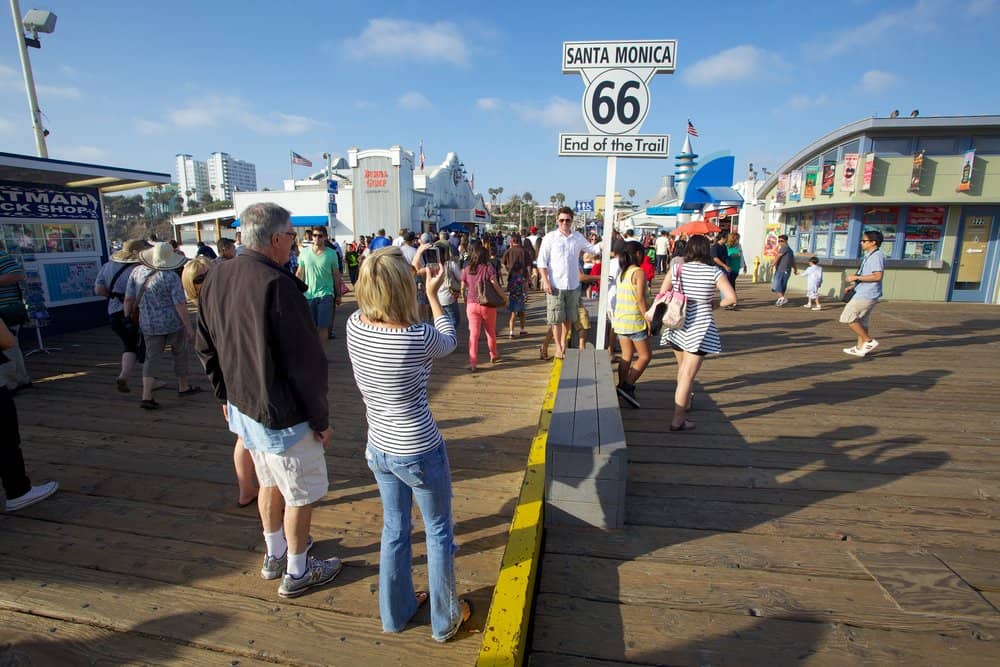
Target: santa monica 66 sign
{"type": "Point", "coordinates": [616, 98]}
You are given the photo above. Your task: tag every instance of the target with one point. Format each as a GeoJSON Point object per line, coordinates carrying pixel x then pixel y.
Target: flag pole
{"type": "Point", "coordinates": [291, 171]}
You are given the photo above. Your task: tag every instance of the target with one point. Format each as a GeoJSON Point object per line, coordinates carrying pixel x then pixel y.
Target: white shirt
{"type": "Point", "coordinates": [662, 245]}
{"type": "Point", "coordinates": [398, 241]}
{"type": "Point", "coordinates": [560, 255]}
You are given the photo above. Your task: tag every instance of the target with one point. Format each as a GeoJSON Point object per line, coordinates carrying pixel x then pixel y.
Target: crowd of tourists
{"type": "Point", "coordinates": [259, 312]}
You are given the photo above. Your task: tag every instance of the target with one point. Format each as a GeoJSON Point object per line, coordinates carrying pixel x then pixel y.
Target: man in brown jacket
{"type": "Point", "coordinates": [259, 346]}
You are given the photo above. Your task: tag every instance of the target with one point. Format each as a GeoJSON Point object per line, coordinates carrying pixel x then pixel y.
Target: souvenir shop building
{"type": "Point", "coordinates": [930, 185]}
{"type": "Point", "coordinates": [52, 222]}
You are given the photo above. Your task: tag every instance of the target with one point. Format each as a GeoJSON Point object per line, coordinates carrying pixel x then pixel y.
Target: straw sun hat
{"type": "Point", "coordinates": [161, 256]}
{"type": "Point", "coordinates": [129, 254]}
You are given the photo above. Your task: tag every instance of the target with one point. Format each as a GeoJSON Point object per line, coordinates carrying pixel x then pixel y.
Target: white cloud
{"type": "Point", "coordinates": [740, 63]}
{"type": "Point", "coordinates": [11, 79]}
{"type": "Point", "coordinates": [215, 110]}
{"type": "Point", "coordinates": [801, 102]}
{"type": "Point", "coordinates": [69, 70]}
{"type": "Point", "coordinates": [875, 81]}
{"type": "Point", "coordinates": [65, 92]}
{"type": "Point", "coordinates": [391, 39]}
{"type": "Point", "coordinates": [149, 127]}
{"type": "Point", "coordinates": [922, 17]}
{"type": "Point", "coordinates": [558, 112]}
{"type": "Point", "coordinates": [414, 101]}
{"type": "Point", "coordinates": [79, 153]}
{"type": "Point", "coordinates": [488, 103]}
{"type": "Point", "coordinates": [6, 126]}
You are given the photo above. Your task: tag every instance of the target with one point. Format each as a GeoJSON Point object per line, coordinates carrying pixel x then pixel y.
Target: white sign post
{"type": "Point", "coordinates": [615, 105]}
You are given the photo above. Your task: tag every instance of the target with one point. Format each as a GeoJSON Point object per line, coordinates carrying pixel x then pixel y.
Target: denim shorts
{"type": "Point", "coordinates": [321, 309]}
{"type": "Point", "coordinates": [780, 281]}
{"type": "Point", "coordinates": [636, 335]}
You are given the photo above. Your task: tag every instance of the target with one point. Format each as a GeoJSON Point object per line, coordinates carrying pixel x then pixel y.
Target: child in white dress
{"type": "Point", "coordinates": [814, 280]}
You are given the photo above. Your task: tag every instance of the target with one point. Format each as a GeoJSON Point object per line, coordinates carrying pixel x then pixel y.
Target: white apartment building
{"type": "Point", "coordinates": [192, 179]}
{"type": "Point", "coordinates": [226, 175]}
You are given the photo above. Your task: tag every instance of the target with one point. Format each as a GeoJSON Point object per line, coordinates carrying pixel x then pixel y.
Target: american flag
{"type": "Point", "coordinates": [298, 159]}
{"type": "Point", "coordinates": [693, 132]}
{"type": "Point", "coordinates": [421, 155]}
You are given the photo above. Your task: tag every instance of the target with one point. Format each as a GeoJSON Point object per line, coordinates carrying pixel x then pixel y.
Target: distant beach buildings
{"type": "Point", "coordinates": [218, 178]}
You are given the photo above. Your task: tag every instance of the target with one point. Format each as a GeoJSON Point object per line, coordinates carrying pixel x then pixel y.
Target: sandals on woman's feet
{"type": "Point", "coordinates": [543, 353]}
{"type": "Point", "coordinates": [466, 607]}
{"type": "Point", "coordinates": [685, 426]}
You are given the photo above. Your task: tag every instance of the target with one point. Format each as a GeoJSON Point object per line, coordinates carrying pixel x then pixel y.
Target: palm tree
{"type": "Point", "coordinates": [560, 198]}
{"type": "Point", "coordinates": [631, 194]}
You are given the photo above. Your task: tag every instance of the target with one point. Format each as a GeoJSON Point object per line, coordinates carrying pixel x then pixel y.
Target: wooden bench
{"type": "Point", "coordinates": [586, 459]}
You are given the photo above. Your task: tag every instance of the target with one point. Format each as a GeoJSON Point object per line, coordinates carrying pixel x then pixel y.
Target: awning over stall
{"type": "Point", "coordinates": [61, 173]}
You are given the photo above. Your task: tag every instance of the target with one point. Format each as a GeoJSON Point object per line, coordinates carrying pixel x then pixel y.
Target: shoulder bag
{"type": "Point", "coordinates": [669, 309]}
{"type": "Point", "coordinates": [848, 292]}
{"type": "Point", "coordinates": [488, 294]}
{"type": "Point", "coordinates": [134, 316]}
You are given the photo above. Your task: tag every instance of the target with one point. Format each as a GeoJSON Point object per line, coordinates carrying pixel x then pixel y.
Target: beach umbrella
{"type": "Point", "coordinates": [696, 227]}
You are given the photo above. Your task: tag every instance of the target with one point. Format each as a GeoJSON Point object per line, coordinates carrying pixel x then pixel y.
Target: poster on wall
{"type": "Point", "coordinates": [782, 191]}
{"type": "Point", "coordinates": [829, 175]}
{"type": "Point", "coordinates": [771, 231]}
{"type": "Point", "coordinates": [967, 163]}
{"type": "Point", "coordinates": [850, 169]}
{"type": "Point", "coordinates": [917, 173]}
{"type": "Point", "coordinates": [809, 191]}
{"type": "Point", "coordinates": [866, 178]}
{"type": "Point", "coordinates": [841, 219]}
{"type": "Point", "coordinates": [795, 185]}
{"type": "Point", "coordinates": [925, 222]}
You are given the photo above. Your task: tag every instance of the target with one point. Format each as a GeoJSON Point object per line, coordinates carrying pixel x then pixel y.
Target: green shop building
{"type": "Point", "coordinates": [930, 185]}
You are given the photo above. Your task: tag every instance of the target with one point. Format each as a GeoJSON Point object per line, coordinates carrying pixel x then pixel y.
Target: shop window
{"type": "Point", "coordinates": [886, 220]}
{"type": "Point", "coordinates": [924, 231]}
{"type": "Point", "coordinates": [829, 156]}
{"type": "Point", "coordinates": [840, 231]}
{"type": "Point", "coordinates": [938, 145]}
{"type": "Point", "coordinates": [805, 232]}
{"type": "Point", "coordinates": [207, 231]}
{"type": "Point", "coordinates": [188, 234]}
{"type": "Point", "coordinates": [892, 146]}
{"type": "Point", "coordinates": [987, 144]}
{"type": "Point", "coordinates": [38, 238]}
{"type": "Point", "coordinates": [821, 231]}
{"type": "Point", "coordinates": [851, 147]}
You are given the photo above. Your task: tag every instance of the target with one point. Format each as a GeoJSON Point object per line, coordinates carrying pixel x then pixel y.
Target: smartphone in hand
{"type": "Point", "coordinates": [432, 257]}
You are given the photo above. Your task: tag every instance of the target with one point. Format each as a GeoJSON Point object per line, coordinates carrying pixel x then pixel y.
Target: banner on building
{"type": "Point", "coordinates": [866, 178]}
{"type": "Point", "coordinates": [829, 175]}
{"type": "Point", "coordinates": [967, 164]}
{"type": "Point", "coordinates": [782, 192]}
{"type": "Point", "coordinates": [795, 185]}
{"type": "Point", "coordinates": [850, 169]}
{"type": "Point", "coordinates": [809, 190]}
{"type": "Point", "coordinates": [918, 170]}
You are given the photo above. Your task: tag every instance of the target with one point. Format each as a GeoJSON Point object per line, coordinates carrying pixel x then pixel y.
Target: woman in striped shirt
{"type": "Point", "coordinates": [698, 278]}
{"type": "Point", "coordinates": [629, 321]}
{"type": "Point", "coordinates": [392, 352]}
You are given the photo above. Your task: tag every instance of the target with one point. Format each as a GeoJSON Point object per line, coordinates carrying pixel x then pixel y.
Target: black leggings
{"type": "Point", "coordinates": [15, 481]}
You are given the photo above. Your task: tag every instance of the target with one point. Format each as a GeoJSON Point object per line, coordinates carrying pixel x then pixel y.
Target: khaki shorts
{"type": "Point", "coordinates": [560, 305]}
{"type": "Point", "coordinates": [857, 309]}
{"type": "Point", "coordinates": [299, 472]}
{"type": "Point", "coordinates": [156, 354]}
{"type": "Point", "coordinates": [582, 319]}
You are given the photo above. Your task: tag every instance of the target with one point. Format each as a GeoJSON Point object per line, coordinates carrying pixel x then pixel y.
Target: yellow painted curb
{"type": "Point", "coordinates": [506, 632]}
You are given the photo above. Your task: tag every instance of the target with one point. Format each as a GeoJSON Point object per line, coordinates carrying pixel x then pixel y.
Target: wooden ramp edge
{"type": "Point", "coordinates": [505, 634]}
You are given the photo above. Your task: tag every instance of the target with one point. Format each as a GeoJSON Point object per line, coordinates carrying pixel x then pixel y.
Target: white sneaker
{"type": "Point", "coordinates": [781, 302]}
{"type": "Point", "coordinates": [807, 305]}
{"type": "Point", "coordinates": [817, 307]}
{"type": "Point", "coordinates": [856, 351]}
{"type": "Point", "coordinates": [36, 494]}
{"type": "Point", "coordinates": [870, 345]}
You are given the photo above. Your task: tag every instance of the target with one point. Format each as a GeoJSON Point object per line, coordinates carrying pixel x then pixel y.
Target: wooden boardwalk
{"type": "Point", "coordinates": [828, 510]}
{"type": "Point", "coordinates": [143, 557]}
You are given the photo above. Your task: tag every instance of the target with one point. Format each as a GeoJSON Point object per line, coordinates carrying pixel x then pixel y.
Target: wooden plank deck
{"type": "Point", "coordinates": [828, 510]}
{"type": "Point", "coordinates": [143, 557]}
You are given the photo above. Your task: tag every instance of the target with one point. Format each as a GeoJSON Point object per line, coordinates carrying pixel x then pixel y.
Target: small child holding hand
{"type": "Point", "coordinates": [814, 280]}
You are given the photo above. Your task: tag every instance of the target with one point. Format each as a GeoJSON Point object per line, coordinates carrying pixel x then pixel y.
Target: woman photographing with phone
{"type": "Point", "coordinates": [392, 353]}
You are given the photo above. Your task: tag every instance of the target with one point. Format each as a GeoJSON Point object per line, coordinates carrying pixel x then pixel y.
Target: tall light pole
{"type": "Point", "coordinates": [37, 21]}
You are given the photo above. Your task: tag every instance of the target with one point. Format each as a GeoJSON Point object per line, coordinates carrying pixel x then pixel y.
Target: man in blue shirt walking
{"type": "Point", "coordinates": [867, 291]}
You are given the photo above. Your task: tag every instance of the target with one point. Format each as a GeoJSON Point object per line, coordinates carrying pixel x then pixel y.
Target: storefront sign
{"type": "Point", "coordinates": [809, 191]}
{"type": "Point", "coordinates": [866, 179]}
{"type": "Point", "coordinates": [829, 175]}
{"type": "Point", "coordinates": [795, 185]}
{"type": "Point", "coordinates": [55, 204]}
{"type": "Point", "coordinates": [967, 164]}
{"type": "Point", "coordinates": [918, 170]}
{"type": "Point", "coordinates": [850, 170]}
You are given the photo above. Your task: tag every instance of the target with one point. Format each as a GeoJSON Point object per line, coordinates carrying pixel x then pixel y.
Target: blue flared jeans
{"type": "Point", "coordinates": [426, 477]}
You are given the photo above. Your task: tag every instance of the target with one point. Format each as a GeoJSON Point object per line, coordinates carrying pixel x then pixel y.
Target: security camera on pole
{"type": "Point", "coordinates": [615, 104]}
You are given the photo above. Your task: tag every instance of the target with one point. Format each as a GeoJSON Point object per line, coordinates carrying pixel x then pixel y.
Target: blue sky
{"type": "Point", "coordinates": [132, 84]}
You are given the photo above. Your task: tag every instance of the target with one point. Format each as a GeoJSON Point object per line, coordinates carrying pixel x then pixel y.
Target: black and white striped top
{"type": "Point", "coordinates": [699, 285]}
{"type": "Point", "coordinates": [391, 368]}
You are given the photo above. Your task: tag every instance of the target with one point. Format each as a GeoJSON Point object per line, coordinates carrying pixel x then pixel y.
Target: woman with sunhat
{"type": "Point", "coordinates": [154, 290]}
{"type": "Point", "coordinates": [110, 283]}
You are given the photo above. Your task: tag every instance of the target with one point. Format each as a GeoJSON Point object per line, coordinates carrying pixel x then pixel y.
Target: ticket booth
{"type": "Point", "coordinates": [52, 223]}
